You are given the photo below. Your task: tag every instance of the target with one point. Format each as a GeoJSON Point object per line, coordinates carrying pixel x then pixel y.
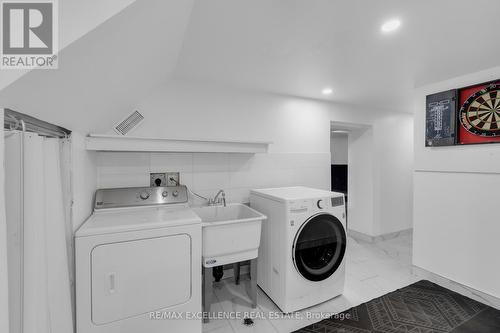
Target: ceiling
{"type": "Point", "coordinates": [76, 18]}
{"type": "Point", "coordinates": [298, 47]}
{"type": "Point", "coordinates": [102, 75]}
{"type": "Point", "coordinates": [291, 47]}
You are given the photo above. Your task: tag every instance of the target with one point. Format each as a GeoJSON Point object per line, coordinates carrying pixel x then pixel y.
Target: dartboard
{"type": "Point", "coordinates": [480, 114]}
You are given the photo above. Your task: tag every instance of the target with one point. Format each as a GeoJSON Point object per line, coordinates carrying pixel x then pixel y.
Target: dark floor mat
{"type": "Point", "coordinates": [423, 307]}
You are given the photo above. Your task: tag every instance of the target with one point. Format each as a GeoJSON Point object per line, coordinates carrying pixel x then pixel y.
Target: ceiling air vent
{"type": "Point", "coordinates": [129, 123]}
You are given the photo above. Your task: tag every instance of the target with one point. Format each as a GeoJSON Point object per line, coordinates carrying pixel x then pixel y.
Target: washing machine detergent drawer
{"type": "Point", "coordinates": [136, 277]}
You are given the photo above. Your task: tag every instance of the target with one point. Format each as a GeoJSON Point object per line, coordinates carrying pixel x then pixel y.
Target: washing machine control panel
{"type": "Point", "coordinates": [337, 201]}
{"type": "Point", "coordinates": [331, 202]}
{"type": "Point", "coordinates": [139, 196]}
{"type": "Point", "coordinates": [316, 204]}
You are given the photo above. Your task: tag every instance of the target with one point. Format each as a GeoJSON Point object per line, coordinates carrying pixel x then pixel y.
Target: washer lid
{"type": "Point", "coordinates": [294, 193]}
{"type": "Point", "coordinates": [132, 219]}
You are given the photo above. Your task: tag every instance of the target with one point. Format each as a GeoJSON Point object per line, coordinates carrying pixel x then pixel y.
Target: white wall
{"type": "Point", "coordinates": [299, 129]}
{"type": "Point", "coordinates": [361, 216]}
{"type": "Point", "coordinates": [187, 110]}
{"type": "Point", "coordinates": [380, 163]}
{"type": "Point", "coordinates": [83, 183]}
{"type": "Point", "coordinates": [4, 293]}
{"type": "Point", "coordinates": [83, 180]}
{"type": "Point", "coordinates": [338, 148]}
{"type": "Point", "coordinates": [393, 163]}
{"type": "Point", "coordinates": [455, 220]}
{"type": "Point", "coordinates": [300, 154]}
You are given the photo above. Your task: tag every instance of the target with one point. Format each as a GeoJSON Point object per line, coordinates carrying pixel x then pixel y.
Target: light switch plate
{"type": "Point", "coordinates": [175, 176]}
{"type": "Point", "coordinates": [158, 179]}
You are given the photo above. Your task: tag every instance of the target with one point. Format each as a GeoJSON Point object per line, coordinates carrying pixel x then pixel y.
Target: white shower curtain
{"type": "Point", "coordinates": [4, 290]}
{"type": "Point", "coordinates": [47, 300]}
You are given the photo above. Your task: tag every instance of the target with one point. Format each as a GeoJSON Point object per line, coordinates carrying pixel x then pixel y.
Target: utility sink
{"type": "Point", "coordinates": [230, 233]}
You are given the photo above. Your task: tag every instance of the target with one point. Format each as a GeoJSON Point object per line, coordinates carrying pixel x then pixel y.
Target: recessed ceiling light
{"type": "Point", "coordinates": [340, 131]}
{"type": "Point", "coordinates": [327, 91]}
{"type": "Point", "coordinates": [391, 25]}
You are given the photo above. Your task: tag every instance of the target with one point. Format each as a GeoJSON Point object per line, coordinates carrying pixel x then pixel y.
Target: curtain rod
{"type": "Point", "coordinates": [13, 118]}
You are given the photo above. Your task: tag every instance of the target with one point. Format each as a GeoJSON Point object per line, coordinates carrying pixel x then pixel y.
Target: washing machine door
{"type": "Point", "coordinates": [319, 247]}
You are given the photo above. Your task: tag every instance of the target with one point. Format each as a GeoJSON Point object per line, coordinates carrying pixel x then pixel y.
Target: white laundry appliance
{"type": "Point", "coordinates": [303, 244]}
{"type": "Point", "coordinates": [138, 263]}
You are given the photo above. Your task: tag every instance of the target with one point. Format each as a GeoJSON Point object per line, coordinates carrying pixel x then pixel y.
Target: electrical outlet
{"type": "Point", "coordinates": [158, 179]}
{"type": "Point", "coordinates": [176, 179]}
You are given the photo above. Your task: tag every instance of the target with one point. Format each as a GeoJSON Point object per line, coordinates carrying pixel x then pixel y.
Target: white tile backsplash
{"type": "Point", "coordinates": [110, 180]}
{"type": "Point", "coordinates": [247, 179]}
{"type": "Point", "coordinates": [242, 162]}
{"type": "Point", "coordinates": [187, 179]}
{"type": "Point", "coordinates": [214, 180]}
{"type": "Point", "coordinates": [123, 163]}
{"type": "Point", "coordinates": [210, 162]}
{"type": "Point", "coordinates": [206, 173]}
{"type": "Point", "coordinates": [181, 162]}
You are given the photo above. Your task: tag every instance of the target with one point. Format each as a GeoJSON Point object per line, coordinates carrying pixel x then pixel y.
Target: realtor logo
{"type": "Point", "coordinates": [29, 38]}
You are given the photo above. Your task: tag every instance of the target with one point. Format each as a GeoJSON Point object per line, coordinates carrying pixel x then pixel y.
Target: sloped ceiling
{"type": "Point", "coordinates": [297, 47]}
{"type": "Point", "coordinates": [291, 47]}
{"type": "Point", "coordinates": [104, 73]}
{"type": "Point", "coordinates": [76, 18]}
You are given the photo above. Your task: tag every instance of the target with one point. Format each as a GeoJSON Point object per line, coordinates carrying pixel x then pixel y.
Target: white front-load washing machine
{"type": "Point", "coordinates": [303, 243]}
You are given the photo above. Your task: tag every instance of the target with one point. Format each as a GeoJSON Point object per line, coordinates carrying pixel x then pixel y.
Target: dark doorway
{"type": "Point", "coordinates": [339, 178]}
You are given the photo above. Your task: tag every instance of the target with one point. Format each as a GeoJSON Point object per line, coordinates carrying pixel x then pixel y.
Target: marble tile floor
{"type": "Point", "coordinates": [372, 270]}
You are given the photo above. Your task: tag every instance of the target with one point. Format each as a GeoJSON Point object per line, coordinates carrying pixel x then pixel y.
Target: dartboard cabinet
{"type": "Point", "coordinates": [479, 114]}
{"type": "Point", "coordinates": [464, 116]}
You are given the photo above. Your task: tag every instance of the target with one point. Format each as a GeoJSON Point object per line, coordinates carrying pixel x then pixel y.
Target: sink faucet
{"type": "Point", "coordinates": [216, 200]}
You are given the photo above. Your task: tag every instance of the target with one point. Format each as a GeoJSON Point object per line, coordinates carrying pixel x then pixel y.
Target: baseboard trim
{"type": "Point", "coordinates": [359, 236]}
{"type": "Point", "coordinates": [457, 287]}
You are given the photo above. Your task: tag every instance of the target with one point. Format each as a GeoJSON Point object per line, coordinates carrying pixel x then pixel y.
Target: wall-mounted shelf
{"type": "Point", "coordinates": [98, 142]}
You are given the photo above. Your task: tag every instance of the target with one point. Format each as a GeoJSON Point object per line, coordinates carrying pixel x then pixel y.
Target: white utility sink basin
{"type": "Point", "coordinates": [230, 234]}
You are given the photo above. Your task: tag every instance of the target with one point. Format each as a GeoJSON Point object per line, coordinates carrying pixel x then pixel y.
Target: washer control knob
{"type": "Point", "coordinates": [320, 204]}
{"type": "Point", "coordinates": [175, 194]}
{"type": "Point", "coordinates": [164, 194]}
{"type": "Point", "coordinates": [144, 195]}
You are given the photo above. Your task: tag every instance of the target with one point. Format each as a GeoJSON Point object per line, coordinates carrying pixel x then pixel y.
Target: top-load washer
{"type": "Point", "coordinates": [138, 263]}
{"type": "Point", "coordinates": [303, 244]}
